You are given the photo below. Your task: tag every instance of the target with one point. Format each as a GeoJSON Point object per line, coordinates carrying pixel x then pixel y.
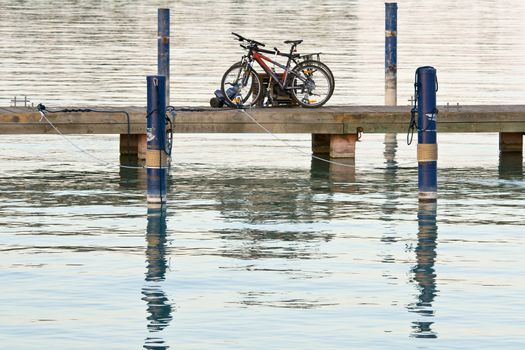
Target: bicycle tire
{"type": "Point", "coordinates": [324, 66]}
{"type": "Point", "coordinates": [246, 83]}
{"type": "Point", "coordinates": [322, 86]}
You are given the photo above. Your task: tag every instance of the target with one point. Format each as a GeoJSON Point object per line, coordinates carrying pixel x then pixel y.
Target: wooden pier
{"type": "Point", "coordinates": [334, 129]}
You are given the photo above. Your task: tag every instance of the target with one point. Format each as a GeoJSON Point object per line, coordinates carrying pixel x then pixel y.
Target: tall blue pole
{"type": "Point", "coordinates": [163, 42]}
{"type": "Point", "coordinates": [426, 85]}
{"type": "Point", "coordinates": [390, 75]}
{"type": "Point", "coordinates": [390, 53]}
{"type": "Point", "coordinates": [156, 156]}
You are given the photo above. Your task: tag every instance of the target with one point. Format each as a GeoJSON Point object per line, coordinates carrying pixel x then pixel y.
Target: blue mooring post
{"type": "Point", "coordinates": [426, 87]}
{"type": "Point", "coordinates": [390, 54]}
{"type": "Point", "coordinates": [163, 43]}
{"type": "Point", "coordinates": [156, 156]}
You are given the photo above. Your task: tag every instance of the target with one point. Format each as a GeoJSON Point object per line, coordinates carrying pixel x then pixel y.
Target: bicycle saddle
{"type": "Point", "coordinates": [294, 42]}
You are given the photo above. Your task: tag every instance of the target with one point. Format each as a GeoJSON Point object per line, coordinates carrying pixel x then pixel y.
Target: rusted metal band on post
{"type": "Point", "coordinates": [390, 33]}
{"type": "Point", "coordinates": [156, 159]}
{"type": "Point", "coordinates": [427, 152]}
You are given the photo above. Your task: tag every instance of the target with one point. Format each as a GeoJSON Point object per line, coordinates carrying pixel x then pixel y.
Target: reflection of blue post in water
{"type": "Point", "coordinates": [389, 206]}
{"type": "Point", "coordinates": [423, 272]}
{"type": "Point", "coordinates": [426, 87]}
{"type": "Point", "coordinates": [156, 156]}
{"type": "Point", "coordinates": [158, 305]}
{"type": "Point", "coordinates": [390, 76]}
{"type": "Point", "coordinates": [390, 143]}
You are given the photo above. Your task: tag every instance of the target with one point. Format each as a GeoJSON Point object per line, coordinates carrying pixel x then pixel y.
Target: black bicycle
{"type": "Point", "coordinates": [309, 82]}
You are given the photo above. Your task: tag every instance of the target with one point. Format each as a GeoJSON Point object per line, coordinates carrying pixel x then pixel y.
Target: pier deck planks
{"type": "Point", "coordinates": [326, 120]}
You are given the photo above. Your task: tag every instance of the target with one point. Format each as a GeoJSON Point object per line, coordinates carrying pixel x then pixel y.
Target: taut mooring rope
{"type": "Point", "coordinates": [44, 116]}
{"type": "Point", "coordinates": [290, 145]}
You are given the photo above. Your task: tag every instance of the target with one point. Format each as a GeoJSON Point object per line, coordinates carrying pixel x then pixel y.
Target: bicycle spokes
{"type": "Point", "coordinates": [241, 85]}
{"type": "Point", "coordinates": [311, 85]}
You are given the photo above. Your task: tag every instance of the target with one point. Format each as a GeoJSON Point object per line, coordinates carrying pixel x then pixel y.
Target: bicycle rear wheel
{"type": "Point", "coordinates": [311, 85]}
{"type": "Point", "coordinates": [241, 86]}
{"type": "Point", "coordinates": [324, 66]}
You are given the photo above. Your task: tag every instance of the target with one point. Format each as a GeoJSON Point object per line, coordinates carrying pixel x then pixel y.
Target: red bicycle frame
{"type": "Point", "coordinates": [260, 58]}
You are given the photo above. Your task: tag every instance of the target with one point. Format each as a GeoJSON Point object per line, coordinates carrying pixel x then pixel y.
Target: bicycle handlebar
{"type": "Point", "coordinates": [241, 38]}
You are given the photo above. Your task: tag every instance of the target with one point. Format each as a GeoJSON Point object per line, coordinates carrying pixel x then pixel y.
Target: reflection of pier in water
{"type": "Point", "coordinates": [510, 166]}
{"type": "Point", "coordinates": [423, 272]}
{"type": "Point", "coordinates": [339, 173]}
{"type": "Point", "coordinates": [278, 200]}
{"type": "Point", "coordinates": [158, 305]}
{"type": "Point", "coordinates": [390, 204]}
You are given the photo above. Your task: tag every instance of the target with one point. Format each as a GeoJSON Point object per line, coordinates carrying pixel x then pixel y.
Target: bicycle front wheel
{"type": "Point", "coordinates": [241, 86]}
{"type": "Point", "coordinates": [311, 85]}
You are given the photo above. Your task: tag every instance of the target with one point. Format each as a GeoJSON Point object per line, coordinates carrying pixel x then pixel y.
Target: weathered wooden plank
{"type": "Point", "coordinates": [375, 128]}
{"type": "Point", "coordinates": [306, 128]}
{"type": "Point", "coordinates": [73, 128]}
{"type": "Point", "coordinates": [482, 127]}
{"type": "Point", "coordinates": [100, 128]}
{"type": "Point", "coordinates": [327, 120]}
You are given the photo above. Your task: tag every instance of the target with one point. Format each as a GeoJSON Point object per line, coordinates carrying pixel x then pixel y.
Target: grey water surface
{"type": "Point", "coordinates": [262, 246]}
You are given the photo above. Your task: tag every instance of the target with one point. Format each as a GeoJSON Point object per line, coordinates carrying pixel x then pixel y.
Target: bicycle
{"type": "Point", "coordinates": [310, 82]}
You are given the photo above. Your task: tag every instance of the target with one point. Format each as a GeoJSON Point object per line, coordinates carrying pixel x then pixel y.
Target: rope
{"type": "Point", "coordinates": [412, 125]}
{"type": "Point", "coordinates": [6, 109]}
{"type": "Point", "coordinates": [43, 112]}
{"type": "Point", "coordinates": [292, 146]}
{"type": "Point", "coordinates": [44, 116]}
{"type": "Point", "coordinates": [88, 110]}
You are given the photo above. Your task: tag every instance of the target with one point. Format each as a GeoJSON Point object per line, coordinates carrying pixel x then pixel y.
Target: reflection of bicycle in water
{"type": "Point", "coordinates": [309, 82]}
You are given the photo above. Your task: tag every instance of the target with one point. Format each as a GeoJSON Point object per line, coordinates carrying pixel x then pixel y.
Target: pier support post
{"type": "Point", "coordinates": [511, 155]}
{"type": "Point", "coordinates": [142, 145]}
{"type": "Point", "coordinates": [511, 142]}
{"type": "Point", "coordinates": [343, 146]}
{"type": "Point", "coordinates": [334, 145]}
{"type": "Point", "coordinates": [426, 86]}
{"type": "Point", "coordinates": [163, 43]}
{"type": "Point", "coordinates": [390, 54]}
{"type": "Point", "coordinates": [321, 144]}
{"type": "Point", "coordinates": [132, 148]}
{"type": "Point", "coordinates": [156, 156]}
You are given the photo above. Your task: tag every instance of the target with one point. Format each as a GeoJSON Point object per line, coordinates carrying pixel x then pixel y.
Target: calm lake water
{"type": "Point", "coordinates": [261, 247]}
